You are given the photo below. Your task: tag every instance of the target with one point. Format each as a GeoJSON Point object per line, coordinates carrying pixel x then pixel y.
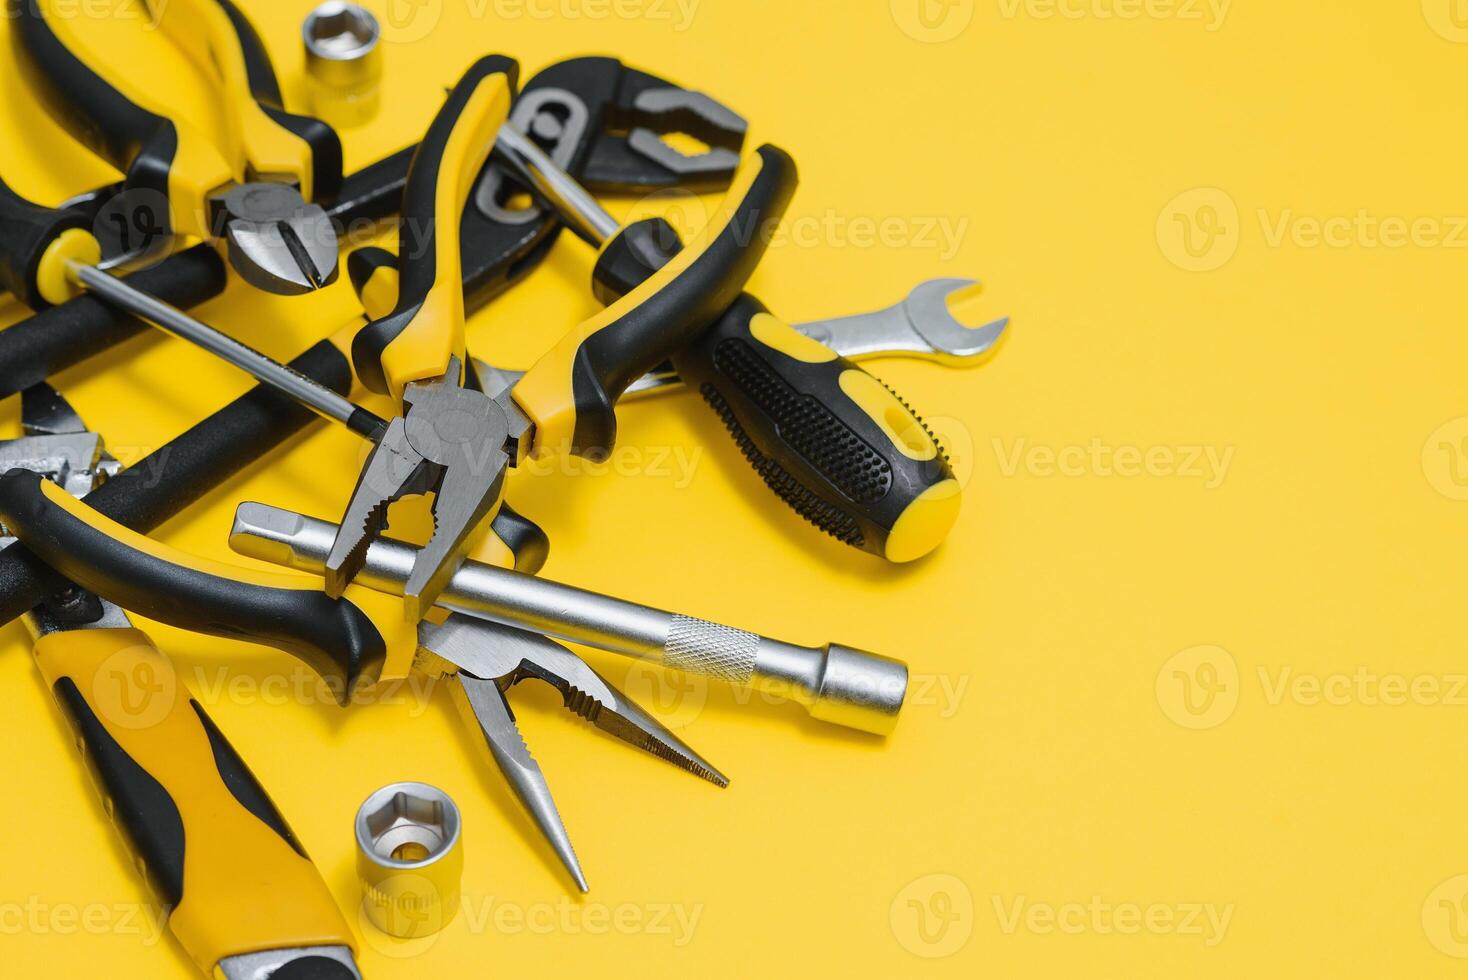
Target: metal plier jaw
{"type": "Point", "coordinates": [487, 659]}
{"type": "Point", "coordinates": [58, 445]}
{"type": "Point", "coordinates": [277, 240]}
{"type": "Point", "coordinates": [451, 441]}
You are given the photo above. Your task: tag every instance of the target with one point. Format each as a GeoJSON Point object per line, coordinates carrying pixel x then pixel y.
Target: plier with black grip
{"type": "Point", "coordinates": [458, 442]}
{"type": "Point", "coordinates": [259, 193]}
{"type": "Point", "coordinates": [244, 899]}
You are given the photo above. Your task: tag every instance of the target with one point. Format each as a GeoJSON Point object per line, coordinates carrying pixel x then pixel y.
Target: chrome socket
{"type": "Point", "coordinates": [410, 861]}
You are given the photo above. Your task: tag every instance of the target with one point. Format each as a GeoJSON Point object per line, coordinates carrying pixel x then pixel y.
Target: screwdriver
{"type": "Point", "coordinates": [839, 447]}
{"type": "Point", "coordinates": [524, 543]}
{"type": "Point", "coordinates": [47, 253]}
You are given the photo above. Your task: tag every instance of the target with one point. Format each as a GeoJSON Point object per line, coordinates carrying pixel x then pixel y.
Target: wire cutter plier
{"type": "Point", "coordinates": [456, 441]}
{"type": "Point", "coordinates": [258, 193]}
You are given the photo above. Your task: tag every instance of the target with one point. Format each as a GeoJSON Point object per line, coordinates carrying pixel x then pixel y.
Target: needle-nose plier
{"type": "Point", "coordinates": [259, 193]}
{"type": "Point", "coordinates": [347, 640]}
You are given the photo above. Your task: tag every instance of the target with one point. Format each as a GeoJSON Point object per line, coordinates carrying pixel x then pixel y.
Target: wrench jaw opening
{"type": "Point", "coordinates": [929, 311]}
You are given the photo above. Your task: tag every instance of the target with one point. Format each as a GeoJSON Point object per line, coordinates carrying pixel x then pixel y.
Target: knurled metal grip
{"type": "Point", "coordinates": [701, 647]}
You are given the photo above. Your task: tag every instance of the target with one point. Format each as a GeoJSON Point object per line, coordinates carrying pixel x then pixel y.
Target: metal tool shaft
{"type": "Point", "coordinates": [574, 203]}
{"type": "Point", "coordinates": [836, 683]}
{"type": "Point", "coordinates": [308, 392]}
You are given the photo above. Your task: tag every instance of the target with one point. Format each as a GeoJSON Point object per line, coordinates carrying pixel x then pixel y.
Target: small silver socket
{"type": "Point", "coordinates": [342, 45]}
{"type": "Point", "coordinates": [409, 859]}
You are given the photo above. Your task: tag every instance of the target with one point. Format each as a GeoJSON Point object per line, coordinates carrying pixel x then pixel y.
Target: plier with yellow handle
{"type": "Point", "coordinates": [457, 442]}
{"type": "Point", "coordinates": [258, 193]}
{"type": "Point", "coordinates": [350, 641]}
{"type": "Point", "coordinates": [245, 900]}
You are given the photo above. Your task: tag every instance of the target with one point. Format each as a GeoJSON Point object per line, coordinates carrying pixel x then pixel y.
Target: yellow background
{"type": "Point", "coordinates": [1061, 751]}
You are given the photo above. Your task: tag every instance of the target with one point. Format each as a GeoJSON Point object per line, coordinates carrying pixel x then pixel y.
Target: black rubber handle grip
{"type": "Point", "coordinates": [842, 449]}
{"type": "Point", "coordinates": [136, 141]}
{"type": "Point", "coordinates": [572, 391]}
{"type": "Point", "coordinates": [165, 482]}
{"type": "Point", "coordinates": [325, 144]}
{"type": "Point", "coordinates": [27, 233]}
{"type": "Point", "coordinates": [420, 250]}
{"type": "Point", "coordinates": [40, 346]}
{"type": "Point", "coordinates": [332, 636]}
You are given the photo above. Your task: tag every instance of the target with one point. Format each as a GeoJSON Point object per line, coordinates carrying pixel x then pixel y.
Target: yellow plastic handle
{"type": "Point", "coordinates": [425, 330]}
{"type": "Point", "coordinates": [105, 109]}
{"type": "Point", "coordinates": [212, 844]}
{"type": "Point", "coordinates": [256, 146]}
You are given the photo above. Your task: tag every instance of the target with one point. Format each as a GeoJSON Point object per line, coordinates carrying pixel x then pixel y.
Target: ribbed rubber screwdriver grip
{"type": "Point", "coordinates": [842, 450]}
{"type": "Point", "coordinates": [838, 446]}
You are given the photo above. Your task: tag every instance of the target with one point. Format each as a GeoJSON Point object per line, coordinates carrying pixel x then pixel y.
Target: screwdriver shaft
{"type": "Point", "coordinates": [172, 320]}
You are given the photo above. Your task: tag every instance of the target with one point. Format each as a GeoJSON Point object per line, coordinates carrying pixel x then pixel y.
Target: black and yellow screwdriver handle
{"type": "Point", "coordinates": [424, 332]}
{"type": "Point", "coordinates": [102, 109]}
{"type": "Point", "coordinates": [843, 450]}
{"type": "Point", "coordinates": [212, 845]}
{"type": "Point", "coordinates": [571, 392]}
{"type": "Point", "coordinates": [837, 445]}
{"type": "Point", "coordinates": [35, 244]}
{"type": "Point", "coordinates": [347, 641]}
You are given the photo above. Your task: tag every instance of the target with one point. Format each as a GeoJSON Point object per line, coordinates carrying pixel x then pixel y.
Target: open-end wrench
{"type": "Point", "coordinates": [922, 326]}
